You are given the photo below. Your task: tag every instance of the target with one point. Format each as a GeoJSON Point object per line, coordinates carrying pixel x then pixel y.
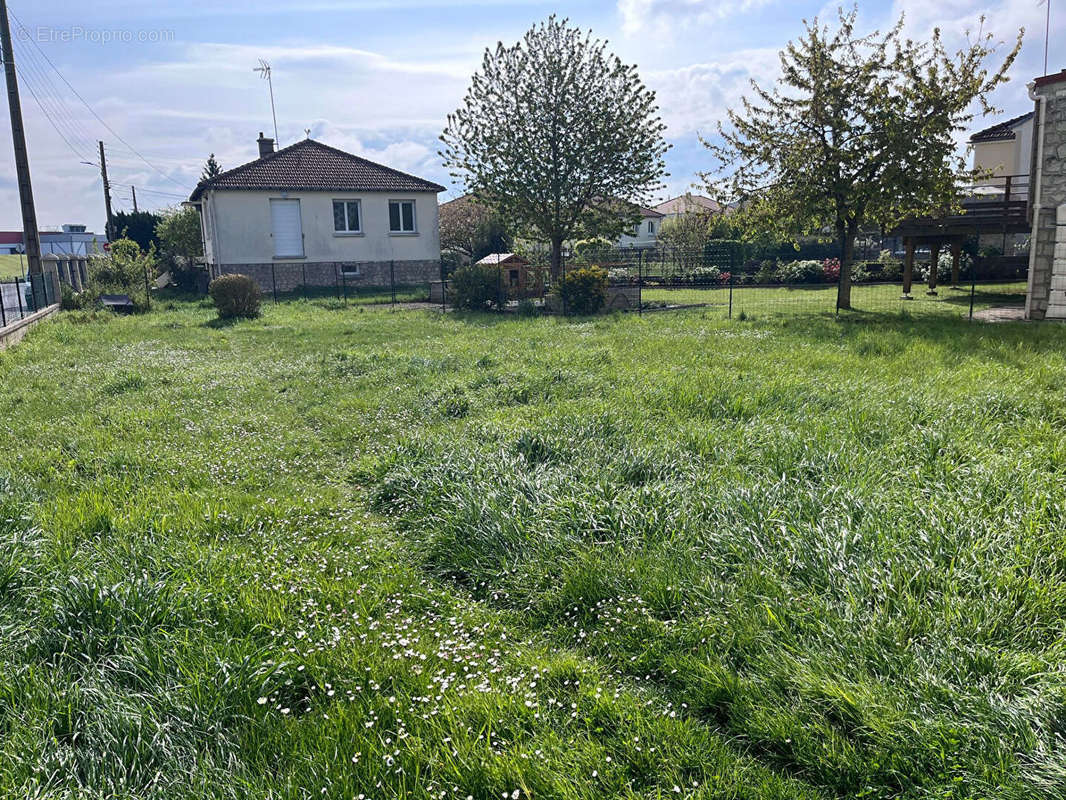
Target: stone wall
{"type": "Point", "coordinates": [1047, 277]}
{"type": "Point", "coordinates": [289, 276]}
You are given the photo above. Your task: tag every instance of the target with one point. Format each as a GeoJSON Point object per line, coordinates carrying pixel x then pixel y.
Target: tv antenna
{"type": "Point", "coordinates": [264, 72]}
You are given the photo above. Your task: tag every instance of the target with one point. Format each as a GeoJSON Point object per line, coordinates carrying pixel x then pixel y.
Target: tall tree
{"type": "Point", "coordinates": [472, 230]}
{"type": "Point", "coordinates": [137, 225]}
{"type": "Point", "coordinates": [861, 130]}
{"type": "Point", "coordinates": [554, 134]}
{"type": "Point", "coordinates": [211, 168]}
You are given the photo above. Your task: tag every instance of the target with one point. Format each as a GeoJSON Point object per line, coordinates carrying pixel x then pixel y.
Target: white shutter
{"type": "Point", "coordinates": [286, 227]}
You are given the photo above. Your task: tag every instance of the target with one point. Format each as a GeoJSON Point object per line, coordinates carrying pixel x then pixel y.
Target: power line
{"type": "Point", "coordinates": [49, 91]}
{"type": "Point", "coordinates": [90, 108]}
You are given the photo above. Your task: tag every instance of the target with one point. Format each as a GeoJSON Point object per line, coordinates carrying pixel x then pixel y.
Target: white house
{"type": "Point", "coordinates": [310, 214]}
{"type": "Point", "coordinates": [1005, 149]}
{"type": "Point", "coordinates": [646, 234]}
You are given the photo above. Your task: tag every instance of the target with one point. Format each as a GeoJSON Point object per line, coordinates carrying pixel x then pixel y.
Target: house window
{"type": "Point", "coordinates": [651, 227]}
{"type": "Point", "coordinates": [347, 217]}
{"type": "Point", "coordinates": [286, 228]}
{"type": "Point", "coordinates": [402, 216]}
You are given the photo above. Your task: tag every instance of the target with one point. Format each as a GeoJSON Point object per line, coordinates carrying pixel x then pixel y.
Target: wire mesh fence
{"type": "Point", "coordinates": [722, 277]}
{"type": "Point", "coordinates": [21, 297]}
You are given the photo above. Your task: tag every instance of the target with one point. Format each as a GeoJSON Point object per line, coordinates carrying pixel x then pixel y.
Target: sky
{"type": "Point", "coordinates": [167, 82]}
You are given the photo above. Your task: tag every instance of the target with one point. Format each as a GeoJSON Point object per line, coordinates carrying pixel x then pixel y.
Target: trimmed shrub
{"type": "Point", "coordinates": [584, 290]}
{"type": "Point", "coordinates": [235, 296]}
{"type": "Point", "coordinates": [800, 272]}
{"type": "Point", "coordinates": [475, 287]}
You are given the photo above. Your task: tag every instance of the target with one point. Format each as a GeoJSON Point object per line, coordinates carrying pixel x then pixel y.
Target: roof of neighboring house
{"type": "Point", "coordinates": [650, 212]}
{"type": "Point", "coordinates": [10, 237]}
{"type": "Point", "coordinates": [1055, 77]}
{"type": "Point", "coordinates": [1002, 132]}
{"type": "Point", "coordinates": [312, 166]}
{"type": "Point", "coordinates": [688, 202]}
{"type": "Point", "coordinates": [493, 259]}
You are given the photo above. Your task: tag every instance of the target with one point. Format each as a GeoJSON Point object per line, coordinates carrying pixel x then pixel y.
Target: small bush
{"type": "Point", "coordinates": [584, 290]}
{"type": "Point", "coordinates": [703, 275]}
{"type": "Point", "coordinates": [793, 272]}
{"type": "Point", "coordinates": [527, 308]}
{"type": "Point", "coordinates": [475, 287]}
{"type": "Point", "coordinates": [235, 296]}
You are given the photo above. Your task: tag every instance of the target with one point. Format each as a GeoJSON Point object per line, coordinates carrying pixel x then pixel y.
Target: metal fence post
{"type": "Point", "coordinates": [274, 281]}
{"type": "Point", "coordinates": [3, 314]}
{"type": "Point", "coordinates": [18, 296]}
{"type": "Point", "coordinates": [147, 290]}
{"type": "Point", "coordinates": [973, 284]}
{"type": "Point", "coordinates": [303, 278]}
{"type": "Point", "coordinates": [392, 281]}
{"type": "Point", "coordinates": [499, 286]}
{"type": "Point", "coordinates": [730, 295]}
{"type": "Point", "coordinates": [640, 283]}
{"type": "Point", "coordinates": [344, 287]}
{"type": "Point", "coordinates": [443, 290]}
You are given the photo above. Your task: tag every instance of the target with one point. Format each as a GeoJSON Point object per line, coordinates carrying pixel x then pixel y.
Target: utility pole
{"type": "Point", "coordinates": [30, 234]}
{"type": "Point", "coordinates": [108, 232]}
{"type": "Point", "coordinates": [134, 190]}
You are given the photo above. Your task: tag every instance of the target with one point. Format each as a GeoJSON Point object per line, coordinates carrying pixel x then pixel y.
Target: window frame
{"type": "Point", "coordinates": [414, 218]}
{"type": "Point", "coordinates": [346, 201]}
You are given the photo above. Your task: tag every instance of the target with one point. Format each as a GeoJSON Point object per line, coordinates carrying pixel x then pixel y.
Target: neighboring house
{"type": "Point", "coordinates": [1005, 149]}
{"type": "Point", "coordinates": [69, 240]}
{"type": "Point", "coordinates": [310, 214]}
{"type": "Point", "coordinates": [688, 203]}
{"type": "Point", "coordinates": [646, 234]}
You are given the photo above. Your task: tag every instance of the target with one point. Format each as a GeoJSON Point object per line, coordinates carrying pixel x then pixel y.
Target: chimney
{"type": "Point", "coordinates": [266, 146]}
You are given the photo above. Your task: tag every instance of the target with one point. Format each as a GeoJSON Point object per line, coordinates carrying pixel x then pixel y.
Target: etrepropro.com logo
{"type": "Point", "coordinates": [78, 34]}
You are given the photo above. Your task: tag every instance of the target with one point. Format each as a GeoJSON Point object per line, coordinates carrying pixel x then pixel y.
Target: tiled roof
{"type": "Point", "coordinates": [688, 202]}
{"type": "Point", "coordinates": [1004, 131]}
{"type": "Point", "coordinates": [312, 166]}
{"type": "Point", "coordinates": [492, 259]}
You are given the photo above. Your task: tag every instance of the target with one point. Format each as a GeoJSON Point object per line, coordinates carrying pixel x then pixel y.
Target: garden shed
{"type": "Point", "coordinates": [520, 278]}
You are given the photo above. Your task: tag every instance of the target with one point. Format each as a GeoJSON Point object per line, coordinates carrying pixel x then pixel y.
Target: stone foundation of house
{"type": "Point", "coordinates": [1046, 298]}
{"type": "Point", "coordinates": [289, 276]}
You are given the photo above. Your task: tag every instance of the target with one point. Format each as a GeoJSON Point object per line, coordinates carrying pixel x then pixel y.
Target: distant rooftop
{"type": "Point", "coordinates": [1003, 132]}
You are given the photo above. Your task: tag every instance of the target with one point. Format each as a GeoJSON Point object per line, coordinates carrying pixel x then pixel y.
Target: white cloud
{"type": "Point", "coordinates": [661, 16]}
{"type": "Point", "coordinates": [695, 98]}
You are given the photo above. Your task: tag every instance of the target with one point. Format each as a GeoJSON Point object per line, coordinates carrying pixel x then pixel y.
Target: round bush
{"type": "Point", "coordinates": [584, 290]}
{"type": "Point", "coordinates": [235, 296]}
{"type": "Point", "coordinates": [476, 287]}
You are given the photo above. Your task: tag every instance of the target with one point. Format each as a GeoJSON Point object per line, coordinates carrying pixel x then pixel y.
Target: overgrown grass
{"type": "Point", "coordinates": [330, 553]}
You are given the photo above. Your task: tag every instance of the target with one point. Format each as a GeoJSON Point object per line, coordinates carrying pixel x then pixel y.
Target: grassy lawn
{"type": "Point", "coordinates": [866, 298]}
{"type": "Point", "coordinates": [11, 266]}
{"type": "Point", "coordinates": [354, 552]}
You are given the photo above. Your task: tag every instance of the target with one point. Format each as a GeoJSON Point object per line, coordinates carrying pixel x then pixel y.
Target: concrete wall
{"type": "Point", "coordinates": [237, 228]}
{"type": "Point", "coordinates": [289, 276]}
{"type": "Point", "coordinates": [13, 333]}
{"type": "Point", "coordinates": [1046, 298]}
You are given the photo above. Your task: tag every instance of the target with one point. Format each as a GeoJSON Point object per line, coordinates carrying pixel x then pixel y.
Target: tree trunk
{"type": "Point", "coordinates": [846, 235]}
{"type": "Point", "coordinates": [557, 259]}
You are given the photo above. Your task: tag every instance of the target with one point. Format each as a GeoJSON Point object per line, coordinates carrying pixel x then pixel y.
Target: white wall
{"type": "Point", "coordinates": [237, 223]}
{"type": "Point", "coordinates": [1009, 157]}
{"type": "Point", "coordinates": [642, 237]}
